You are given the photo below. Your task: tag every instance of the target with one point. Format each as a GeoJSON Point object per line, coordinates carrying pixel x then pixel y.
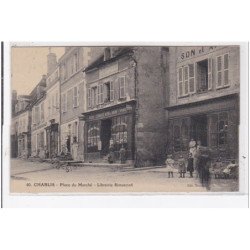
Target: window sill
{"type": "Point", "coordinates": [202, 91]}
{"type": "Point", "coordinates": [183, 96]}
{"type": "Point", "coordinates": [223, 87]}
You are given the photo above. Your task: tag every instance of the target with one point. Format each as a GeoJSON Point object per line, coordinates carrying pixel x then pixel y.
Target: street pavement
{"type": "Point", "coordinates": [36, 177]}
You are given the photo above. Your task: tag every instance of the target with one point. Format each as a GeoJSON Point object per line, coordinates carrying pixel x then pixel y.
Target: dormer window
{"type": "Point", "coordinates": [107, 53]}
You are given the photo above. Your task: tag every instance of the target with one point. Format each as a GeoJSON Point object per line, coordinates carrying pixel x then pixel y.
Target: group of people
{"type": "Point", "coordinates": [198, 161]}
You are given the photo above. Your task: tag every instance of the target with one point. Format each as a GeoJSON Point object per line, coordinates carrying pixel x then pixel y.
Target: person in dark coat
{"type": "Point", "coordinates": [204, 173]}
{"type": "Point", "coordinates": [111, 157]}
{"type": "Point", "coordinates": [190, 166]}
{"type": "Point", "coordinates": [122, 155]}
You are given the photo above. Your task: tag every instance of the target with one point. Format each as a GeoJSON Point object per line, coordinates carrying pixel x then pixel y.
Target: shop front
{"type": "Point", "coordinates": [24, 145]}
{"type": "Point", "coordinates": [52, 137]}
{"type": "Point", "coordinates": [109, 127]}
{"type": "Point", "coordinates": [214, 124]}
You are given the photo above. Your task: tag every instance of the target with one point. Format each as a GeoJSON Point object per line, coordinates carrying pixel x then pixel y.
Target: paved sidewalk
{"type": "Point", "coordinates": [19, 166]}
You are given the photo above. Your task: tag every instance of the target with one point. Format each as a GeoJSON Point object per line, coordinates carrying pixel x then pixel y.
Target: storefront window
{"type": "Point", "coordinates": [119, 131]}
{"type": "Point", "coordinates": [184, 135]}
{"type": "Point", "coordinates": [222, 129]}
{"type": "Point", "coordinates": [179, 131]}
{"type": "Point", "coordinates": [93, 136]}
{"type": "Point", "coordinates": [218, 129]}
{"type": "Point", "coordinates": [177, 141]}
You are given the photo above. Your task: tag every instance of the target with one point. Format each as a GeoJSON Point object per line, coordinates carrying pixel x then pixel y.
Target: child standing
{"type": "Point", "coordinates": [182, 167]}
{"type": "Point", "coordinates": [170, 166]}
{"type": "Point", "coordinates": [190, 166]}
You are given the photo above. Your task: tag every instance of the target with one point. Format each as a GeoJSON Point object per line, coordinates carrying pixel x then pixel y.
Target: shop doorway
{"type": "Point", "coordinates": [199, 129]}
{"type": "Point", "coordinates": [105, 135]}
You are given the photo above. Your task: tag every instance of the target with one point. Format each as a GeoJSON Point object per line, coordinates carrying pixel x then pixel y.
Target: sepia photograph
{"type": "Point", "coordinates": [125, 119]}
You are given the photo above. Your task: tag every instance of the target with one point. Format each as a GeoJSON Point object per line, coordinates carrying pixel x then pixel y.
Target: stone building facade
{"type": "Point", "coordinates": [125, 104]}
{"type": "Point", "coordinates": [72, 91]}
{"type": "Point", "coordinates": [203, 88]}
{"type": "Point", "coordinates": [52, 116]}
{"type": "Point", "coordinates": [38, 122]}
{"type": "Point", "coordinates": [20, 127]}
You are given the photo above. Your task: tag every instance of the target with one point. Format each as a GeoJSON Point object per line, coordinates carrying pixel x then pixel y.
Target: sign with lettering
{"type": "Point", "coordinates": [108, 70]}
{"type": "Point", "coordinates": [185, 53]}
{"type": "Point", "coordinates": [109, 113]}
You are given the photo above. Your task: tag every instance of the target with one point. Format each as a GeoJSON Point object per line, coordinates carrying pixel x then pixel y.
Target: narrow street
{"type": "Point", "coordinates": [36, 177]}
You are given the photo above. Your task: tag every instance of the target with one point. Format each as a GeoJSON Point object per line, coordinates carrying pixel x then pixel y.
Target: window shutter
{"type": "Point", "coordinates": [122, 87]}
{"type": "Point", "coordinates": [219, 71]}
{"type": "Point", "coordinates": [89, 97]}
{"type": "Point", "coordinates": [78, 96]}
{"type": "Point", "coordinates": [75, 94]}
{"type": "Point", "coordinates": [226, 69]}
{"type": "Point", "coordinates": [210, 75]}
{"type": "Point", "coordinates": [180, 81]}
{"type": "Point", "coordinates": [101, 93]}
{"type": "Point", "coordinates": [191, 79]}
{"type": "Point", "coordinates": [111, 91]}
{"type": "Point", "coordinates": [185, 80]}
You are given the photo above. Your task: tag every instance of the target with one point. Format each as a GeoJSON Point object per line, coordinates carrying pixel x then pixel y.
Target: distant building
{"type": "Point", "coordinates": [38, 123]}
{"type": "Point", "coordinates": [125, 103]}
{"type": "Point", "coordinates": [20, 128]}
{"type": "Point", "coordinates": [72, 88]}
{"type": "Point", "coordinates": [52, 107]}
{"type": "Point", "coordinates": [203, 88]}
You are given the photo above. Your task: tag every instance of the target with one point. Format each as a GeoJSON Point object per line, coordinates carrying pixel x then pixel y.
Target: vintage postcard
{"type": "Point", "coordinates": [126, 119]}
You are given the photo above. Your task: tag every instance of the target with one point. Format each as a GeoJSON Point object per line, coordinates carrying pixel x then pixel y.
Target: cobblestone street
{"type": "Point", "coordinates": [36, 177]}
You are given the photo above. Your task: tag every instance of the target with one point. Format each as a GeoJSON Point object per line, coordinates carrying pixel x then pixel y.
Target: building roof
{"type": "Point", "coordinates": [121, 51]}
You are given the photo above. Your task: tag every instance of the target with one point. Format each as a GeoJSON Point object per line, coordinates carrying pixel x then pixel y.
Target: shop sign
{"type": "Point", "coordinates": [191, 52]}
{"type": "Point", "coordinates": [108, 113]}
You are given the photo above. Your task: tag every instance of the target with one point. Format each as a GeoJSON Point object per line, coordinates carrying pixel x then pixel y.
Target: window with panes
{"type": "Point", "coordinates": [119, 132]}
{"type": "Point", "coordinates": [218, 129]}
{"type": "Point", "coordinates": [179, 134]}
{"type": "Point", "coordinates": [122, 85]}
{"type": "Point", "coordinates": [222, 68]}
{"type": "Point", "coordinates": [75, 96]}
{"type": "Point", "coordinates": [93, 136]}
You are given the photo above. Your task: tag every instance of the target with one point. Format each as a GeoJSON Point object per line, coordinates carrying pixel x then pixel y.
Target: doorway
{"type": "Point", "coordinates": [199, 129]}
{"type": "Point", "coordinates": [105, 135]}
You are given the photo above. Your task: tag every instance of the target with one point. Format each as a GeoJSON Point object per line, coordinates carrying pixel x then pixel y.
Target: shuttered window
{"type": "Point", "coordinates": [191, 79]}
{"type": "Point", "coordinates": [100, 94]}
{"type": "Point", "coordinates": [226, 69]}
{"type": "Point", "coordinates": [42, 112]}
{"type": "Point", "coordinates": [222, 78]}
{"type": "Point", "coordinates": [219, 71]}
{"type": "Point", "coordinates": [122, 87]}
{"type": "Point", "coordinates": [64, 104]}
{"type": "Point", "coordinates": [210, 70]}
{"type": "Point", "coordinates": [75, 97]}
{"type": "Point", "coordinates": [89, 97]}
{"type": "Point", "coordinates": [180, 81]}
{"type": "Point", "coordinates": [111, 91]}
{"type": "Point", "coordinates": [185, 80]}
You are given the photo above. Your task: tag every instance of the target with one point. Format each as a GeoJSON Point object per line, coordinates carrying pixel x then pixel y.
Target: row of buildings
{"type": "Point", "coordinates": [150, 100]}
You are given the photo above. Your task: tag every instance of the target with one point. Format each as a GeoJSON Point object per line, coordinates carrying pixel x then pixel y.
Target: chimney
{"type": "Point", "coordinates": [51, 62]}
